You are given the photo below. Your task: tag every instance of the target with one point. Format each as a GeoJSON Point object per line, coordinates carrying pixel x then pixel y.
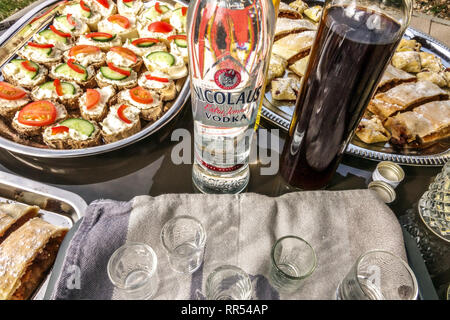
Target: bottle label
{"type": "Point", "coordinates": [227, 79]}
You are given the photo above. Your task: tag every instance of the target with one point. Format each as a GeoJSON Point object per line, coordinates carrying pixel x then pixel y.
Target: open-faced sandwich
{"type": "Point", "coordinates": [72, 133]}
{"type": "Point", "coordinates": [64, 92]}
{"type": "Point", "coordinates": [124, 57]}
{"type": "Point", "coordinates": [143, 46]}
{"type": "Point", "coordinates": [84, 12]}
{"type": "Point", "coordinates": [61, 40]}
{"type": "Point", "coordinates": [12, 99]}
{"type": "Point", "coordinates": [103, 40]}
{"type": "Point", "coordinates": [118, 77]}
{"type": "Point", "coordinates": [86, 55]}
{"type": "Point", "coordinates": [94, 103]}
{"type": "Point", "coordinates": [159, 83]}
{"type": "Point", "coordinates": [120, 25]}
{"type": "Point", "coordinates": [130, 8]}
{"type": "Point", "coordinates": [145, 100]}
{"type": "Point", "coordinates": [24, 73]}
{"type": "Point", "coordinates": [72, 71]}
{"type": "Point", "coordinates": [46, 54]}
{"type": "Point", "coordinates": [121, 122]}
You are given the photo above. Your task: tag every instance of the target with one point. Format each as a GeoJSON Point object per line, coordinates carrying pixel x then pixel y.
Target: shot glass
{"type": "Point", "coordinates": [184, 239]}
{"type": "Point", "coordinates": [228, 283]}
{"type": "Point", "coordinates": [293, 260]}
{"type": "Point", "coordinates": [133, 271]}
{"type": "Point", "coordinates": [378, 275]}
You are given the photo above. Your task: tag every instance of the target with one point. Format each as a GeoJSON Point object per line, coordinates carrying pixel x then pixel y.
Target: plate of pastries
{"type": "Point", "coordinates": [408, 118]}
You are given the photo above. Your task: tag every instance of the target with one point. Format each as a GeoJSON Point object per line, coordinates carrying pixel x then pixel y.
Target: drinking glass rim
{"type": "Point", "coordinates": [272, 252]}
{"type": "Point", "coordinates": [126, 246]}
{"type": "Point", "coordinates": [166, 225]}
{"type": "Point", "coordinates": [413, 276]}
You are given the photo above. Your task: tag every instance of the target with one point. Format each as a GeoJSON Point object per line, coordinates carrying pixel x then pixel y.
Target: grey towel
{"type": "Point", "coordinates": [241, 229]}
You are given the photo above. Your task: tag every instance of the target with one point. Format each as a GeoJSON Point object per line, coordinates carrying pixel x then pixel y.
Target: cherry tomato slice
{"type": "Point", "coordinates": [58, 87]}
{"type": "Point", "coordinates": [141, 95]}
{"type": "Point", "coordinates": [157, 8]}
{"type": "Point", "coordinates": [9, 92]}
{"type": "Point", "coordinates": [92, 98]}
{"type": "Point", "coordinates": [84, 6]}
{"type": "Point", "coordinates": [59, 129]}
{"type": "Point", "coordinates": [122, 115]}
{"type": "Point", "coordinates": [120, 20]}
{"type": "Point", "coordinates": [26, 64]}
{"type": "Point", "coordinates": [99, 34]}
{"type": "Point", "coordinates": [143, 40]}
{"type": "Point", "coordinates": [37, 114]}
{"type": "Point", "coordinates": [83, 48]}
{"type": "Point", "coordinates": [74, 67]}
{"type": "Point", "coordinates": [41, 46]}
{"type": "Point", "coordinates": [60, 33]}
{"type": "Point", "coordinates": [118, 70]}
{"type": "Point", "coordinates": [150, 77]}
{"type": "Point", "coordinates": [160, 26]}
{"type": "Point", "coordinates": [70, 20]}
{"type": "Point", "coordinates": [177, 36]}
{"type": "Point", "coordinates": [184, 11]}
{"type": "Point", "coordinates": [125, 52]}
{"type": "Point", "coordinates": [104, 3]}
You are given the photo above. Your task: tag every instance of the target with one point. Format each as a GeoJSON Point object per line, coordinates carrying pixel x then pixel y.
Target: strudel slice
{"type": "Point", "coordinates": [404, 97]}
{"type": "Point", "coordinates": [285, 11]}
{"type": "Point", "coordinates": [286, 88]}
{"type": "Point", "coordinates": [372, 131]}
{"type": "Point", "coordinates": [425, 124]}
{"type": "Point", "coordinates": [294, 46]}
{"type": "Point", "coordinates": [14, 215]}
{"type": "Point", "coordinates": [26, 256]}
{"type": "Point", "coordinates": [392, 77]}
{"type": "Point", "coordinates": [287, 26]}
{"type": "Point", "coordinates": [277, 66]}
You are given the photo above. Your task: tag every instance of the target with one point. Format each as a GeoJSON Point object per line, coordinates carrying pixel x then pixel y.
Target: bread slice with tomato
{"type": "Point", "coordinates": [72, 71]}
{"type": "Point", "coordinates": [159, 83]}
{"type": "Point", "coordinates": [24, 73]}
{"type": "Point", "coordinates": [65, 92]}
{"type": "Point", "coordinates": [42, 53]}
{"type": "Point", "coordinates": [145, 100]}
{"type": "Point", "coordinates": [72, 133]}
{"type": "Point", "coordinates": [119, 78]}
{"type": "Point", "coordinates": [61, 40]}
{"type": "Point", "coordinates": [86, 55]}
{"type": "Point", "coordinates": [94, 103]}
{"type": "Point", "coordinates": [12, 99]}
{"type": "Point", "coordinates": [121, 122]}
{"type": "Point", "coordinates": [32, 119]}
{"type": "Point", "coordinates": [124, 58]}
{"type": "Point", "coordinates": [124, 27]}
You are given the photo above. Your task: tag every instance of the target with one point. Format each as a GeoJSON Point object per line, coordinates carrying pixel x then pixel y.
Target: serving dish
{"type": "Point", "coordinates": [279, 113]}
{"type": "Point", "coordinates": [58, 207]}
{"type": "Point", "coordinates": [19, 34]}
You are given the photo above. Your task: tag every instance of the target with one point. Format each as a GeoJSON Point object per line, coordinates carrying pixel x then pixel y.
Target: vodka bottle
{"type": "Point", "coordinates": [229, 42]}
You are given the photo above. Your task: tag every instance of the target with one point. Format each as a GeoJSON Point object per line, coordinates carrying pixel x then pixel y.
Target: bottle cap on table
{"type": "Point", "coordinates": [385, 191]}
{"type": "Point", "coordinates": [388, 172]}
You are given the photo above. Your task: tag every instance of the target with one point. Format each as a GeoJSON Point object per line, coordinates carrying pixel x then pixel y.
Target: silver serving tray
{"type": "Point", "coordinates": [281, 115]}
{"type": "Point", "coordinates": [148, 130]}
{"type": "Point", "coordinates": [58, 207]}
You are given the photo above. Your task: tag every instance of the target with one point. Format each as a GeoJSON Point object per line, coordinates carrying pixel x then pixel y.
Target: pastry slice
{"type": "Point", "coordinates": [372, 131]}
{"type": "Point", "coordinates": [287, 26]}
{"type": "Point", "coordinates": [408, 45]}
{"type": "Point", "coordinates": [13, 216]}
{"type": "Point", "coordinates": [438, 78]}
{"type": "Point", "coordinates": [430, 62]}
{"type": "Point", "coordinates": [277, 66]}
{"type": "Point", "coordinates": [404, 97]}
{"type": "Point", "coordinates": [425, 124]}
{"type": "Point", "coordinates": [408, 61]}
{"type": "Point", "coordinates": [313, 13]}
{"type": "Point", "coordinates": [299, 67]}
{"type": "Point", "coordinates": [285, 88]}
{"type": "Point", "coordinates": [392, 77]}
{"type": "Point", "coordinates": [294, 46]}
{"type": "Point", "coordinates": [299, 6]}
{"type": "Point", "coordinates": [26, 256]}
{"type": "Point", "coordinates": [286, 11]}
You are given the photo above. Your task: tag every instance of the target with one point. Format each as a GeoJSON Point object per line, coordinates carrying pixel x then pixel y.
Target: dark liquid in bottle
{"type": "Point", "coordinates": [351, 51]}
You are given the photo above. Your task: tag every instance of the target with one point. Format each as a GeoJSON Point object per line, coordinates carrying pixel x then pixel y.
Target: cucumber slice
{"type": "Point", "coordinates": [65, 70]}
{"type": "Point", "coordinates": [30, 74]}
{"type": "Point", "coordinates": [152, 14]}
{"type": "Point", "coordinates": [128, 4]}
{"type": "Point", "coordinates": [50, 35]}
{"type": "Point", "coordinates": [46, 51]}
{"type": "Point", "coordinates": [67, 88]}
{"type": "Point", "coordinates": [63, 21]}
{"type": "Point", "coordinates": [181, 43]}
{"type": "Point", "coordinates": [178, 12]}
{"type": "Point", "coordinates": [111, 74]}
{"type": "Point", "coordinates": [104, 39]}
{"type": "Point", "coordinates": [82, 126]}
{"type": "Point", "coordinates": [145, 44]}
{"type": "Point", "coordinates": [84, 13]}
{"type": "Point", "coordinates": [161, 58]}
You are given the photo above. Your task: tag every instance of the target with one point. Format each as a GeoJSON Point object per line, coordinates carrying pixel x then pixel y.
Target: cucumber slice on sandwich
{"type": "Point", "coordinates": [110, 74]}
{"type": "Point", "coordinates": [30, 74]}
{"type": "Point", "coordinates": [50, 35]}
{"type": "Point", "coordinates": [65, 70]}
{"type": "Point", "coordinates": [67, 88]}
{"type": "Point", "coordinates": [82, 126]}
{"type": "Point", "coordinates": [161, 58]}
{"type": "Point", "coordinates": [63, 21]}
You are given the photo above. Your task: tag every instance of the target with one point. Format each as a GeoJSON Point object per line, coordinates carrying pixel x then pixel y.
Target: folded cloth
{"type": "Point", "coordinates": [241, 230]}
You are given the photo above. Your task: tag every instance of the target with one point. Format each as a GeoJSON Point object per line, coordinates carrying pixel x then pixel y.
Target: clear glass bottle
{"type": "Point", "coordinates": [229, 42]}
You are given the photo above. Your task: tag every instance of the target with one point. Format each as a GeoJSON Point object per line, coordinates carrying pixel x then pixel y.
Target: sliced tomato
{"type": "Point", "coordinates": [70, 20]}
{"type": "Point", "coordinates": [141, 95]}
{"type": "Point", "coordinates": [60, 33]}
{"type": "Point", "coordinates": [184, 11]}
{"type": "Point", "coordinates": [9, 92]}
{"type": "Point", "coordinates": [150, 77]}
{"type": "Point", "coordinates": [158, 9]}
{"type": "Point", "coordinates": [125, 52]}
{"type": "Point", "coordinates": [92, 98]}
{"type": "Point", "coordinates": [74, 67]}
{"type": "Point", "coordinates": [26, 64]}
{"type": "Point", "coordinates": [99, 34]}
{"type": "Point", "coordinates": [38, 114]}
{"type": "Point", "coordinates": [118, 70]}
{"type": "Point", "coordinates": [41, 46]}
{"type": "Point", "coordinates": [120, 20]}
{"type": "Point", "coordinates": [104, 3]}
{"type": "Point", "coordinates": [126, 1]}
{"type": "Point", "coordinates": [122, 115]}
{"type": "Point", "coordinates": [143, 40]}
{"type": "Point", "coordinates": [84, 6]}
{"type": "Point", "coordinates": [160, 26]}
{"type": "Point", "coordinates": [177, 36]}
{"type": "Point", "coordinates": [58, 87]}
{"type": "Point", "coordinates": [83, 48]}
{"type": "Point", "coordinates": [59, 129]}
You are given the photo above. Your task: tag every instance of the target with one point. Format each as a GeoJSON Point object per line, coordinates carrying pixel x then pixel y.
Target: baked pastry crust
{"type": "Point", "coordinates": [26, 256]}
{"type": "Point", "coordinates": [294, 46]}
{"type": "Point", "coordinates": [372, 131]}
{"type": "Point", "coordinates": [286, 11]}
{"type": "Point", "coordinates": [408, 61]}
{"type": "Point", "coordinates": [287, 26]}
{"type": "Point", "coordinates": [285, 88]}
{"type": "Point", "coordinates": [277, 66]}
{"type": "Point", "coordinates": [392, 77]}
{"type": "Point", "coordinates": [13, 216]}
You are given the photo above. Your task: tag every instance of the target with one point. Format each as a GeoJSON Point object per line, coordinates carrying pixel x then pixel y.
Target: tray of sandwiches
{"type": "Point", "coordinates": [34, 219]}
{"type": "Point", "coordinates": [407, 120]}
{"type": "Point", "coordinates": [90, 76]}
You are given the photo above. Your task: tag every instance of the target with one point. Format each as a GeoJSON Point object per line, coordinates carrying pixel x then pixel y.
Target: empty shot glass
{"type": "Point", "coordinates": [228, 283]}
{"type": "Point", "coordinates": [378, 275]}
{"type": "Point", "coordinates": [184, 239]}
{"type": "Point", "coordinates": [293, 260]}
{"type": "Point", "coordinates": [133, 271]}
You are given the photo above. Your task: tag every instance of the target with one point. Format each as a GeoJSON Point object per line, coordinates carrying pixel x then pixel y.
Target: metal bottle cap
{"type": "Point", "coordinates": [384, 191]}
{"type": "Point", "coordinates": [389, 172]}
